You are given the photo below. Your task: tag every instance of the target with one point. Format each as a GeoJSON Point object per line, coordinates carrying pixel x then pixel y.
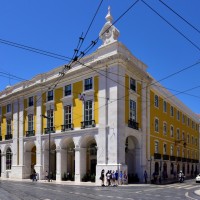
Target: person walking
{"type": "Point", "coordinates": [34, 175]}
{"type": "Point", "coordinates": [120, 178]}
{"type": "Point", "coordinates": [46, 176]}
{"type": "Point", "coordinates": [102, 177]}
{"type": "Point", "coordinates": [145, 176]}
{"type": "Point", "coordinates": [116, 177]}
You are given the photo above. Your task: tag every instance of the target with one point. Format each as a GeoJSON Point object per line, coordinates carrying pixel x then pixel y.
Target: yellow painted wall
{"type": "Point", "coordinates": [162, 116]}
{"type": "Point", "coordinates": [58, 111]}
{"type": "Point", "coordinates": [43, 111]}
{"type": "Point", "coordinates": [139, 104]}
{"type": "Point", "coordinates": [25, 117]}
{"type": "Point", "coordinates": [78, 105]}
{"type": "Point", "coordinates": [126, 99]}
{"type": "Point", "coordinates": [3, 125]}
{"type": "Point", "coordinates": [96, 103]}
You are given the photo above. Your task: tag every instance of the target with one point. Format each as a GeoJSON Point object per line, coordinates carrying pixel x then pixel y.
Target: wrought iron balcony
{"type": "Point", "coordinates": [67, 127]}
{"type": "Point", "coordinates": [179, 158]}
{"type": "Point", "coordinates": [184, 159]}
{"type": "Point", "coordinates": [0, 137]}
{"type": "Point", "coordinates": [49, 130]}
{"type": "Point", "coordinates": [173, 158]}
{"type": "Point", "coordinates": [133, 124]}
{"type": "Point", "coordinates": [188, 160]}
{"type": "Point", "coordinates": [8, 137]}
{"type": "Point", "coordinates": [157, 156]}
{"type": "Point", "coordinates": [165, 157]}
{"type": "Point", "coordinates": [30, 133]}
{"type": "Point", "coordinates": [88, 124]}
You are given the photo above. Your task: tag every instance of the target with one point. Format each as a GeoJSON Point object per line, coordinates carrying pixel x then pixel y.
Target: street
{"type": "Point", "coordinates": [14, 190]}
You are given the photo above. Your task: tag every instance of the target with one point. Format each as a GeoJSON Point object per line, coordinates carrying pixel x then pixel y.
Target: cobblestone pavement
{"type": "Point", "coordinates": [27, 190]}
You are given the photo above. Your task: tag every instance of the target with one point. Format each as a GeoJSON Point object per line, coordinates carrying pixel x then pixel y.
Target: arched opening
{"type": "Point", "coordinates": [53, 162]}
{"type": "Point", "coordinates": [89, 151]}
{"type": "Point", "coordinates": [156, 168]}
{"type": "Point", "coordinates": [184, 168]}
{"type": "Point", "coordinates": [192, 170]}
{"type": "Point", "coordinates": [188, 168]}
{"type": "Point", "coordinates": [178, 168]}
{"type": "Point", "coordinates": [172, 168]}
{"type": "Point", "coordinates": [132, 159]}
{"type": "Point", "coordinates": [33, 158]}
{"type": "Point", "coordinates": [165, 175]}
{"type": "Point", "coordinates": [8, 159]}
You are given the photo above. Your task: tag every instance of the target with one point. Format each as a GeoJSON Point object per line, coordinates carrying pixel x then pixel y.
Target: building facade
{"type": "Point", "coordinates": [107, 113]}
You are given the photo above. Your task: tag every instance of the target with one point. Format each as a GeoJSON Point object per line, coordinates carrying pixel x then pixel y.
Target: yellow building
{"type": "Point", "coordinates": [104, 112]}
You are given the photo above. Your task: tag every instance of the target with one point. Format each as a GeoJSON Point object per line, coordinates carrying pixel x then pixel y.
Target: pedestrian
{"type": "Point", "coordinates": [46, 176]}
{"type": "Point", "coordinates": [102, 177]}
{"type": "Point", "coordinates": [33, 175]}
{"type": "Point", "coordinates": [116, 178]}
{"type": "Point", "coordinates": [145, 176]}
{"type": "Point", "coordinates": [120, 178]}
{"type": "Point", "coordinates": [125, 178]}
{"type": "Point", "coordinates": [108, 177]}
{"type": "Point", "coordinates": [113, 178]}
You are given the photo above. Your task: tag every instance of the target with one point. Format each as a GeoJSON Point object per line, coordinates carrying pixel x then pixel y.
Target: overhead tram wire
{"type": "Point", "coordinates": [186, 21]}
{"type": "Point", "coordinates": [190, 41]}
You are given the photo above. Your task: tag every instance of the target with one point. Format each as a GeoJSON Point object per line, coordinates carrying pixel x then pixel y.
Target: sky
{"type": "Point", "coordinates": [56, 26]}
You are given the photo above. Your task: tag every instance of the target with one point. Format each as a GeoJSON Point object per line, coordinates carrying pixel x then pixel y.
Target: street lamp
{"type": "Point", "coordinates": [49, 145]}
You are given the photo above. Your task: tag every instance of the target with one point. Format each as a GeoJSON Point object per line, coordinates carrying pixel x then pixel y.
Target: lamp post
{"type": "Point", "coordinates": [49, 145]}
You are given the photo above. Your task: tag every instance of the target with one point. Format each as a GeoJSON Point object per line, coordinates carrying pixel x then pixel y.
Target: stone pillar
{"type": "Point", "coordinates": [3, 165]}
{"type": "Point", "coordinates": [38, 143]}
{"type": "Point", "coordinates": [61, 163]}
{"type": "Point", "coordinates": [80, 163]}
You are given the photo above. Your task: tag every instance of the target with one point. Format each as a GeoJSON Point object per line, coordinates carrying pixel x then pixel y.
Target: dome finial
{"type": "Point", "coordinates": [109, 16]}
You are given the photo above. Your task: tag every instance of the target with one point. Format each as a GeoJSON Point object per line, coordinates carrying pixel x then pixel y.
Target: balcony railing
{"type": "Point", "coordinates": [49, 130]}
{"type": "Point", "coordinates": [88, 124]}
{"type": "Point", "coordinates": [133, 124]}
{"type": "Point", "coordinates": [184, 159]}
{"type": "Point", "coordinates": [67, 127]}
{"type": "Point", "coordinates": [8, 137]}
{"type": "Point", "coordinates": [165, 157]}
{"type": "Point", "coordinates": [157, 156]}
{"type": "Point", "coordinates": [188, 160]}
{"type": "Point", "coordinates": [30, 133]}
{"type": "Point", "coordinates": [173, 158]}
{"type": "Point", "coordinates": [0, 137]}
{"type": "Point", "coordinates": [179, 158]}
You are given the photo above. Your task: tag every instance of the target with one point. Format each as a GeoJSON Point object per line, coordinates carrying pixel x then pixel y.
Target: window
{"type": "Point", "coordinates": [164, 106]}
{"type": "Point", "coordinates": [88, 111]}
{"type": "Point", "coordinates": [178, 115]}
{"type": "Point", "coordinates": [171, 131]}
{"type": "Point", "coordinates": [188, 138]}
{"type": "Point", "coordinates": [164, 148]}
{"type": "Point", "coordinates": [156, 147]}
{"type": "Point", "coordinates": [183, 153]}
{"type": "Point", "coordinates": [50, 118]}
{"type": "Point", "coordinates": [8, 108]}
{"type": "Point", "coordinates": [0, 111]}
{"type": "Point", "coordinates": [192, 140]}
{"type": "Point", "coordinates": [178, 134]}
{"type": "Point", "coordinates": [183, 119]}
{"type": "Point", "coordinates": [50, 95]}
{"type": "Point", "coordinates": [188, 121]}
{"type": "Point", "coordinates": [132, 110]}
{"type": "Point", "coordinates": [30, 101]}
{"type": "Point", "coordinates": [172, 150]}
{"type": "Point", "coordinates": [172, 111]}
{"type": "Point", "coordinates": [88, 84]}
{"type": "Point", "coordinates": [8, 126]}
{"type": "Point", "coordinates": [188, 153]}
{"type": "Point", "coordinates": [183, 136]}
{"type": "Point", "coordinates": [68, 114]}
{"type": "Point", "coordinates": [68, 90]}
{"type": "Point", "coordinates": [196, 141]}
{"type": "Point", "coordinates": [193, 125]}
{"type": "Point", "coordinates": [8, 159]}
{"type": "Point", "coordinates": [132, 84]}
{"type": "Point", "coordinates": [156, 101]}
{"type": "Point", "coordinates": [156, 125]}
{"type": "Point", "coordinates": [30, 122]}
{"type": "Point", "coordinates": [165, 128]}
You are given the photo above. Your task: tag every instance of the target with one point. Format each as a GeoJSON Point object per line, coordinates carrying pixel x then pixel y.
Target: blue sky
{"type": "Point", "coordinates": [56, 26]}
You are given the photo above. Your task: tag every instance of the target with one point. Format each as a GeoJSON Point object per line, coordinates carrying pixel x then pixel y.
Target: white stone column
{"type": "Point", "coordinates": [61, 163]}
{"type": "Point", "coordinates": [80, 163]}
{"type": "Point", "coordinates": [38, 143]}
{"type": "Point", "coordinates": [3, 165]}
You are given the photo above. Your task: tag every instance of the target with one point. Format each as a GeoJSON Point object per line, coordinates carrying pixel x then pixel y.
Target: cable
{"type": "Point", "coordinates": [186, 21]}
{"type": "Point", "coordinates": [196, 46]}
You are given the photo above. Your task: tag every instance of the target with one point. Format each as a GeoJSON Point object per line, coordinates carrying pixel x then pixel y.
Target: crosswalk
{"type": "Point", "coordinates": [181, 186]}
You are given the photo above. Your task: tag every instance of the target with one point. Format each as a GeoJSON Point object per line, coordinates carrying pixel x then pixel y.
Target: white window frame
{"type": "Point", "coordinates": [156, 125]}
{"type": "Point", "coordinates": [132, 112]}
{"type": "Point", "coordinates": [30, 122]}
{"type": "Point", "coordinates": [171, 111]}
{"type": "Point", "coordinates": [8, 108]}
{"type": "Point", "coordinates": [8, 127]}
{"type": "Point", "coordinates": [171, 149]}
{"type": "Point", "coordinates": [156, 146]}
{"type": "Point", "coordinates": [131, 84]}
{"type": "Point", "coordinates": [171, 131]}
{"type": "Point", "coordinates": [92, 79]}
{"type": "Point", "coordinates": [165, 128]}
{"type": "Point", "coordinates": [164, 148]}
{"type": "Point", "coordinates": [164, 106]}
{"type": "Point", "coordinates": [178, 115]}
{"type": "Point", "coordinates": [50, 119]}
{"type": "Point", "coordinates": [67, 115]}
{"type": "Point", "coordinates": [178, 134]}
{"type": "Point", "coordinates": [156, 101]}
